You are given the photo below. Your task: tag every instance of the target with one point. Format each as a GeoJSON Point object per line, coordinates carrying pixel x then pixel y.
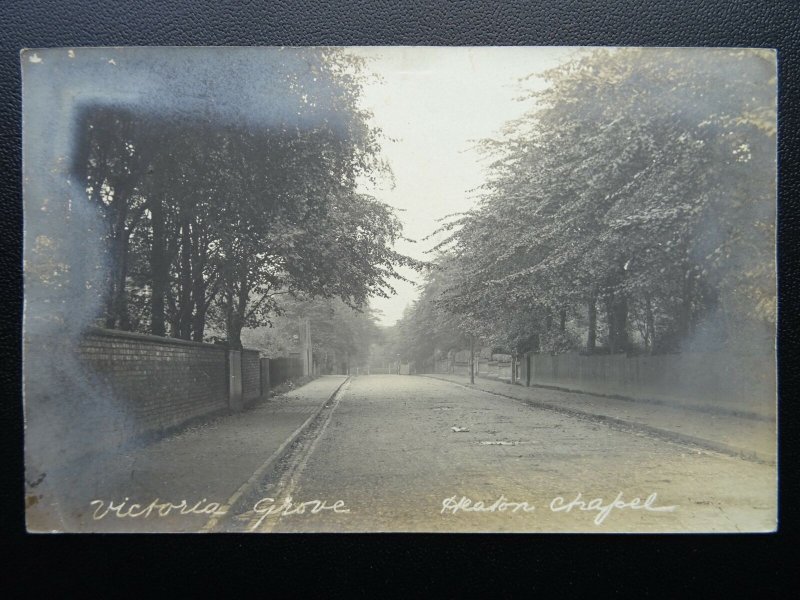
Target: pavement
{"type": "Point", "coordinates": [737, 435]}
{"type": "Point", "coordinates": [207, 466]}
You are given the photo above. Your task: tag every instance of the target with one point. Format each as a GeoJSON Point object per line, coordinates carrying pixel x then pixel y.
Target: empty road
{"type": "Point", "coordinates": [408, 453]}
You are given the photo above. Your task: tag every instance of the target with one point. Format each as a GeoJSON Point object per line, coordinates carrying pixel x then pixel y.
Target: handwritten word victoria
{"type": "Point", "coordinates": [156, 508]}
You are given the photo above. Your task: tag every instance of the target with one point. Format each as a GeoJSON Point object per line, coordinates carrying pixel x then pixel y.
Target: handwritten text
{"type": "Point", "coordinates": [558, 504]}
{"type": "Point", "coordinates": [156, 508]}
{"type": "Point", "coordinates": [266, 507]}
{"type": "Point", "coordinates": [465, 504]}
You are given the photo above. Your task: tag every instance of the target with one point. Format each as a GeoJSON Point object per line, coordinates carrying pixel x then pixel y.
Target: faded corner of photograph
{"type": "Point", "coordinates": [399, 289]}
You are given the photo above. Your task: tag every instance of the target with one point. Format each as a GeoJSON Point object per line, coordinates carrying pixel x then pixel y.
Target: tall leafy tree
{"type": "Point", "coordinates": [639, 186]}
{"type": "Point", "coordinates": [216, 204]}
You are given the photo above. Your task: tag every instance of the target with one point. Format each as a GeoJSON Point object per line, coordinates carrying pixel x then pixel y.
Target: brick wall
{"type": "Point", "coordinates": [161, 382]}
{"type": "Point", "coordinates": [93, 391]}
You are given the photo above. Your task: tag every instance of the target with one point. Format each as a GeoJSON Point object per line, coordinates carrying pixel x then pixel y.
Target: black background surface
{"type": "Point", "coordinates": [485, 564]}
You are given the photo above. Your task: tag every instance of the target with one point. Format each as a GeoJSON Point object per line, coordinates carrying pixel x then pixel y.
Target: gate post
{"type": "Point", "coordinates": [513, 368]}
{"type": "Point", "coordinates": [528, 369]}
{"type": "Point", "coordinates": [235, 380]}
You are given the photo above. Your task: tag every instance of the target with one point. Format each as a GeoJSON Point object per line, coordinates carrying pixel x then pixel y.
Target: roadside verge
{"type": "Point", "coordinates": [750, 439]}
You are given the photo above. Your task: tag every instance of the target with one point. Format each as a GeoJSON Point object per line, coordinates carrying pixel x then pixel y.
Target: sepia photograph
{"type": "Point", "coordinates": [399, 289]}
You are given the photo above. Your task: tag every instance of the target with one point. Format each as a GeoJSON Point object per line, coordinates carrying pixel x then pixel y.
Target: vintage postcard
{"type": "Point", "coordinates": [400, 289]}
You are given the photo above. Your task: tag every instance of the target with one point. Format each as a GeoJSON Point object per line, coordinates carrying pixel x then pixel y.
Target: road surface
{"type": "Point", "coordinates": [409, 453]}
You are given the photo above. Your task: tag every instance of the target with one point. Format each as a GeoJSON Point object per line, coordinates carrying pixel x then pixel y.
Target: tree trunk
{"type": "Point", "coordinates": [591, 336]}
{"type": "Point", "coordinates": [159, 268]}
{"type": "Point", "coordinates": [472, 359]}
{"type": "Point", "coordinates": [685, 313]}
{"type": "Point", "coordinates": [233, 324]}
{"type": "Point", "coordinates": [199, 322]}
{"type": "Point", "coordinates": [237, 311]}
{"type": "Point", "coordinates": [611, 324]}
{"type": "Point", "coordinates": [172, 316]}
{"type": "Point", "coordinates": [111, 318]}
{"type": "Point", "coordinates": [120, 300]}
{"type": "Point", "coordinates": [617, 316]}
{"type": "Point", "coordinates": [234, 334]}
{"type": "Point", "coordinates": [185, 282]}
{"type": "Point", "coordinates": [650, 327]}
{"type": "Point", "coordinates": [562, 320]}
{"type": "Point", "coordinates": [621, 317]}
{"type": "Point", "coordinates": [199, 286]}
{"type": "Point", "coordinates": [121, 297]}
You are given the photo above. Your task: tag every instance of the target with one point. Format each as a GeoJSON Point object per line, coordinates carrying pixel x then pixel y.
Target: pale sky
{"type": "Point", "coordinates": [434, 101]}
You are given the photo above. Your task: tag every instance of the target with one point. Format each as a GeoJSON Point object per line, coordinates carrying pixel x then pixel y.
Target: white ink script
{"type": "Point", "coordinates": [452, 505]}
{"type": "Point", "coordinates": [266, 507]}
{"type": "Point", "coordinates": [155, 508]}
{"type": "Point", "coordinates": [558, 504]}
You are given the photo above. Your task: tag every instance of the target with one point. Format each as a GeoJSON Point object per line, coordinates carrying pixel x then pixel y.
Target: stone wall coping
{"type": "Point", "coordinates": [144, 337]}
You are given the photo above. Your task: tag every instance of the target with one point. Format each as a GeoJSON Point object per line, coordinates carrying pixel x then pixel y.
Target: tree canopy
{"type": "Point", "coordinates": [221, 186]}
{"type": "Point", "coordinates": [632, 207]}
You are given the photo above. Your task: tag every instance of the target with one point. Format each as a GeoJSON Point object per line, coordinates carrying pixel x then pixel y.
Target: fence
{"type": "Point", "coordinates": [492, 365]}
{"type": "Point", "coordinates": [742, 383]}
{"type": "Point", "coordinates": [738, 383]}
